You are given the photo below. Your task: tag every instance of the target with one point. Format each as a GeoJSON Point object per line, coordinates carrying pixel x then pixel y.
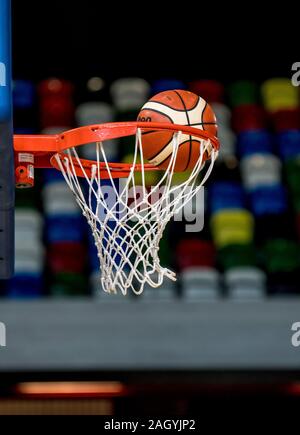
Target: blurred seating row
{"type": "Point", "coordinates": [249, 247]}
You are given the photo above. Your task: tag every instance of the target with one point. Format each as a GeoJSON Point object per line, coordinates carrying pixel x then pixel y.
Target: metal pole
{"type": "Point", "coordinates": [7, 183]}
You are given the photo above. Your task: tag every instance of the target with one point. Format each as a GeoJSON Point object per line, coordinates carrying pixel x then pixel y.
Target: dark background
{"type": "Point", "coordinates": [77, 40]}
{"type": "Point", "coordinates": [187, 41]}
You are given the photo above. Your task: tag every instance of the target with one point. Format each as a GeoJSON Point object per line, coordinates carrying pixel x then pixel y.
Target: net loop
{"type": "Point", "coordinates": [127, 216]}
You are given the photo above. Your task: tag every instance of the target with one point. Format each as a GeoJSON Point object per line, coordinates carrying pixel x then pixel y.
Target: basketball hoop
{"type": "Point", "coordinates": [127, 227]}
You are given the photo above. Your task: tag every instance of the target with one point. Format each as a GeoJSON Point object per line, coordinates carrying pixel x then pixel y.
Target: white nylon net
{"type": "Point", "coordinates": [127, 217]}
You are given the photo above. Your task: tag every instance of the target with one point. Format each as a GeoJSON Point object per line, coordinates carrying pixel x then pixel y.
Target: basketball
{"type": "Point", "coordinates": [177, 107]}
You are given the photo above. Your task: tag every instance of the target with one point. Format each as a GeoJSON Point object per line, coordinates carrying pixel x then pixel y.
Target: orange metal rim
{"type": "Point", "coordinates": [116, 170]}
{"type": "Point", "coordinates": [44, 147]}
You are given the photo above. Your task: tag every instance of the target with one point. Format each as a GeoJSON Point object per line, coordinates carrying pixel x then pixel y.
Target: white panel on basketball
{"type": "Point", "coordinates": [195, 114]}
{"type": "Point", "coordinates": [178, 117]}
{"type": "Point", "coordinates": [167, 151]}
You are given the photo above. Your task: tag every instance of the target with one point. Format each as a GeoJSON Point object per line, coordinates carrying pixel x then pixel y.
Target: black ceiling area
{"type": "Point", "coordinates": [75, 39]}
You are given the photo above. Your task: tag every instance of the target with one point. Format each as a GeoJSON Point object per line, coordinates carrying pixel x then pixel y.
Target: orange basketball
{"type": "Point", "coordinates": [177, 107]}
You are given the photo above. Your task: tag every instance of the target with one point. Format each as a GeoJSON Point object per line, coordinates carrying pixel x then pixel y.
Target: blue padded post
{"type": "Point", "coordinates": [7, 182]}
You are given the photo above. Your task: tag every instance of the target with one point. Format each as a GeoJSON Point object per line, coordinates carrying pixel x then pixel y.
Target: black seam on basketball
{"type": "Point", "coordinates": [190, 137]}
{"type": "Point", "coordinates": [185, 109]}
{"type": "Point", "coordinates": [203, 123]}
{"type": "Point", "coordinates": [198, 99]}
{"type": "Point", "coordinates": [161, 113]}
{"type": "Point", "coordinates": [190, 153]}
{"type": "Point", "coordinates": [151, 158]}
{"type": "Point", "coordinates": [148, 132]}
{"type": "Point", "coordinates": [170, 107]}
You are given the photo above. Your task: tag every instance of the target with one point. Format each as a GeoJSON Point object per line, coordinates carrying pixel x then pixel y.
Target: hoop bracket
{"type": "Point", "coordinates": [45, 147]}
{"type": "Point", "coordinates": [127, 218]}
